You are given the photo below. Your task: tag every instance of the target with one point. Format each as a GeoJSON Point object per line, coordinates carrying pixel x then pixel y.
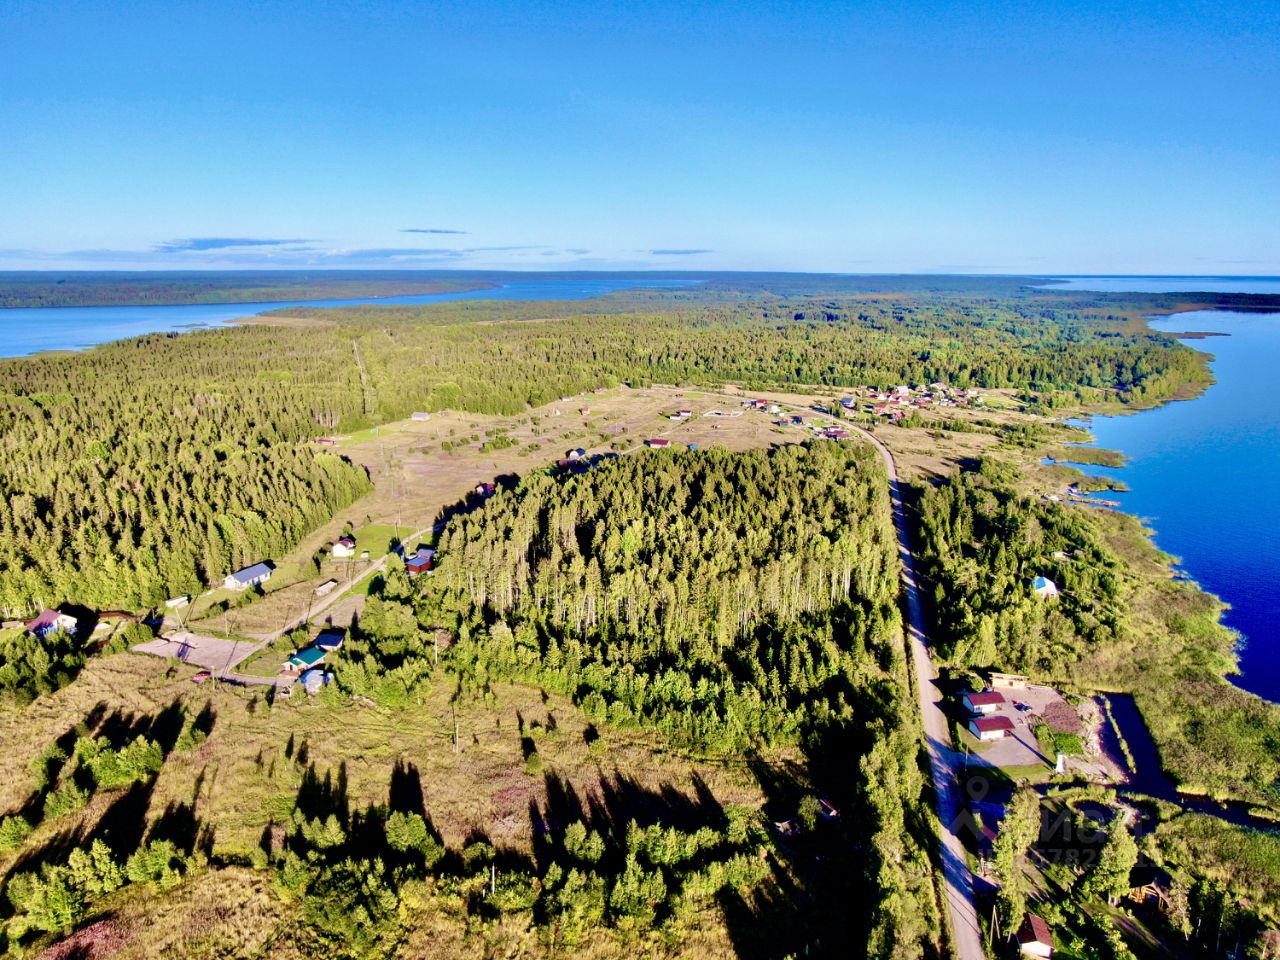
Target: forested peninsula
{"type": "Point", "coordinates": [95, 289]}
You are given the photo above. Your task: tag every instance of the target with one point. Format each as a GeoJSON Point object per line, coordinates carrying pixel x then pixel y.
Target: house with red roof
{"type": "Point", "coordinates": [52, 621]}
{"type": "Point", "coordinates": [1034, 937]}
{"type": "Point", "coordinates": [988, 701]}
{"type": "Point", "coordinates": [990, 728]}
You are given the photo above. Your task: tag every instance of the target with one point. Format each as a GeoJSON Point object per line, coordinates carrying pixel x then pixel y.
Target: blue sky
{"type": "Point", "coordinates": [855, 137]}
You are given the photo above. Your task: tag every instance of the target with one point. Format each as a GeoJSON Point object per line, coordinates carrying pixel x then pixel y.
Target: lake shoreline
{"type": "Point", "coordinates": [1107, 419]}
{"type": "Point", "coordinates": [30, 332]}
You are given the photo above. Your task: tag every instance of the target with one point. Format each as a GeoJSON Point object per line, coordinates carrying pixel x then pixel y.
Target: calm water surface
{"type": "Point", "coordinates": [30, 330]}
{"type": "Point", "coordinates": [1204, 473]}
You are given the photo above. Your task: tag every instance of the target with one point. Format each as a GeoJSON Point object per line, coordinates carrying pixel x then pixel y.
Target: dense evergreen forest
{"type": "Point", "coordinates": [683, 590]}
{"type": "Point", "coordinates": [419, 356]}
{"type": "Point", "coordinates": [733, 602]}
{"type": "Point", "coordinates": [142, 468]}
{"type": "Point", "coordinates": [151, 466]}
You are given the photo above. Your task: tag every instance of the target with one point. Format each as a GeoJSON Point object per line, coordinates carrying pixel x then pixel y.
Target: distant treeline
{"type": "Point", "coordinates": [254, 286]}
{"type": "Point", "coordinates": [147, 467]}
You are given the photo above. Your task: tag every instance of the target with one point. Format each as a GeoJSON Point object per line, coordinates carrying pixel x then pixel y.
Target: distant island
{"type": "Point", "coordinates": [166, 288]}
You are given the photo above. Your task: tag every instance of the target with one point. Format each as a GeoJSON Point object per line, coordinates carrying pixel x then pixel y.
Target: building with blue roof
{"type": "Point", "coordinates": [248, 577]}
{"type": "Point", "coordinates": [1044, 587]}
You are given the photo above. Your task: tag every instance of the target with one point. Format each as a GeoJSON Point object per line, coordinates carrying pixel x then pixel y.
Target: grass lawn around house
{"type": "Point", "coordinates": [378, 538]}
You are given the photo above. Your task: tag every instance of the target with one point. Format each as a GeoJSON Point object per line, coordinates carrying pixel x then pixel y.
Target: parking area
{"type": "Point", "coordinates": [1025, 706]}
{"type": "Point", "coordinates": [212, 653]}
{"type": "Point", "coordinates": [1028, 705]}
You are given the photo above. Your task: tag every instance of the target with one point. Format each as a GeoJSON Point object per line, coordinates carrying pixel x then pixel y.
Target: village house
{"type": "Point", "coordinates": [325, 588]}
{"type": "Point", "coordinates": [248, 577]}
{"type": "Point", "coordinates": [305, 660]}
{"type": "Point", "coordinates": [330, 639]}
{"type": "Point", "coordinates": [485, 489]}
{"type": "Point", "coordinates": [420, 416]}
{"type": "Point", "coordinates": [418, 564]}
{"type": "Point", "coordinates": [344, 546]}
{"type": "Point", "coordinates": [52, 621]}
{"type": "Point", "coordinates": [658, 443]}
{"type": "Point", "coordinates": [986, 702]}
{"type": "Point", "coordinates": [990, 728]}
{"type": "Point", "coordinates": [1044, 587]}
{"type": "Point", "coordinates": [1034, 937]}
{"type": "Point", "coordinates": [575, 454]}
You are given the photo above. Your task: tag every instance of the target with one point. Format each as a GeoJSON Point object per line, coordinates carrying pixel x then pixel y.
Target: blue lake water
{"type": "Point", "coordinates": [30, 330]}
{"type": "Point", "coordinates": [1205, 473]}
{"type": "Point", "coordinates": [1171, 284]}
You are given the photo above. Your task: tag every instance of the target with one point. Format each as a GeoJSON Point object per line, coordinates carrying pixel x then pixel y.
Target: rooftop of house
{"type": "Point", "coordinates": [46, 618]}
{"type": "Point", "coordinates": [1034, 930]}
{"type": "Point", "coordinates": [991, 724]}
{"type": "Point", "coordinates": [1147, 874]}
{"type": "Point", "coordinates": [308, 657]}
{"type": "Point", "coordinates": [985, 698]}
{"type": "Point", "coordinates": [252, 572]}
{"type": "Point", "coordinates": [330, 638]}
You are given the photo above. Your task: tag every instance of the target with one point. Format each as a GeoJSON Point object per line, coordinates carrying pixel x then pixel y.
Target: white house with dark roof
{"type": "Point", "coordinates": [990, 728]}
{"type": "Point", "coordinates": [988, 701]}
{"type": "Point", "coordinates": [1034, 937]}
